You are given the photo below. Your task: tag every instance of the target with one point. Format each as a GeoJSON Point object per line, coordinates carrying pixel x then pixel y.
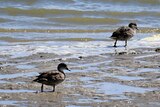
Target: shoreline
{"type": "Point", "coordinates": [108, 79]}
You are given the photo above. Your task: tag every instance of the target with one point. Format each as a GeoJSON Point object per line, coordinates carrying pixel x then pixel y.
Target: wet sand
{"type": "Point", "coordinates": [123, 78]}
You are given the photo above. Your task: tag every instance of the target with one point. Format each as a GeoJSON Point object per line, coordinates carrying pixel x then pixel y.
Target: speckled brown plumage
{"type": "Point", "coordinates": [52, 78]}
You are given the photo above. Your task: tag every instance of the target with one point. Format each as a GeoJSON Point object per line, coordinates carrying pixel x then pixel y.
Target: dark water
{"type": "Point", "coordinates": [71, 22]}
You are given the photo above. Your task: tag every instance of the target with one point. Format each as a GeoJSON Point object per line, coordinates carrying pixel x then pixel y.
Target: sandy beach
{"type": "Point", "coordinates": [119, 79]}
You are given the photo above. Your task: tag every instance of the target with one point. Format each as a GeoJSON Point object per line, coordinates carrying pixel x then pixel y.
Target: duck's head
{"type": "Point", "coordinates": [133, 26]}
{"type": "Point", "coordinates": [62, 66]}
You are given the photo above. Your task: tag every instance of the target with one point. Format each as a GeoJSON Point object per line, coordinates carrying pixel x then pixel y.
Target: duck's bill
{"type": "Point", "coordinates": [137, 28]}
{"type": "Point", "coordinates": [68, 69]}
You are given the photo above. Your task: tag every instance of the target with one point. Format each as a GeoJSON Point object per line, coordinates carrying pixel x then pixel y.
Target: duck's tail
{"type": "Point", "coordinates": [35, 80]}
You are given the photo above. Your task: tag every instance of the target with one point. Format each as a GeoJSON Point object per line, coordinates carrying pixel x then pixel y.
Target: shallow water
{"type": "Point", "coordinates": [72, 26]}
{"type": "Point", "coordinates": [3, 82]}
{"type": "Point", "coordinates": [15, 75]}
{"type": "Point", "coordinates": [11, 102]}
{"type": "Point", "coordinates": [81, 14]}
{"type": "Point", "coordinates": [17, 91]}
{"type": "Point", "coordinates": [144, 70]}
{"type": "Point", "coordinates": [25, 66]}
{"type": "Point", "coordinates": [110, 88]}
{"type": "Point", "coordinates": [118, 89]}
{"type": "Point", "coordinates": [128, 78]}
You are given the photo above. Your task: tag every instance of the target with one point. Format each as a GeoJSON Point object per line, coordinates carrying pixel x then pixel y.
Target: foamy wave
{"type": "Point", "coordinates": [152, 38]}
{"type": "Point", "coordinates": [72, 49]}
{"type": "Point", "coordinates": [152, 41]}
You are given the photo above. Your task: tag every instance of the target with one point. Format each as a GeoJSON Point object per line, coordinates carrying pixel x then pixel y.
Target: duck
{"type": "Point", "coordinates": [124, 33]}
{"type": "Point", "coordinates": [51, 78]}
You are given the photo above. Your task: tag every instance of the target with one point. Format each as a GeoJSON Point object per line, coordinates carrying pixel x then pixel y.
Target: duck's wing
{"type": "Point", "coordinates": [49, 76]}
{"type": "Point", "coordinates": [41, 77]}
{"type": "Point", "coordinates": [56, 76]}
{"type": "Point", "coordinates": [127, 31]}
{"type": "Point", "coordinates": [122, 31]}
{"type": "Point", "coordinates": [116, 33]}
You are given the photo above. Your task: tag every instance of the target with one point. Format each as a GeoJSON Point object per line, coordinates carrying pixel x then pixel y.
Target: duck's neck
{"type": "Point", "coordinates": [133, 28]}
{"type": "Point", "coordinates": [61, 70]}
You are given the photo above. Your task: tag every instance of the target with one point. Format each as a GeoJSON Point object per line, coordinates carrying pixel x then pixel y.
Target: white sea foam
{"type": "Point", "coordinates": [152, 41]}
{"type": "Point", "coordinates": [74, 48]}
{"type": "Point", "coordinates": [59, 48]}
{"type": "Point", "coordinates": [153, 38]}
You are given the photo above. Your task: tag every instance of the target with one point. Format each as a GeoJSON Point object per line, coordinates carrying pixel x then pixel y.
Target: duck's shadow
{"type": "Point", "coordinates": [45, 92]}
{"type": "Point", "coordinates": [117, 47]}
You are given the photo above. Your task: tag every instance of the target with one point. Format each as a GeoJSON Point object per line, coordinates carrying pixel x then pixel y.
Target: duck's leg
{"type": "Point", "coordinates": [42, 88]}
{"type": "Point", "coordinates": [125, 43]}
{"type": "Point", "coordinates": [53, 88]}
{"type": "Point", "coordinates": [115, 43]}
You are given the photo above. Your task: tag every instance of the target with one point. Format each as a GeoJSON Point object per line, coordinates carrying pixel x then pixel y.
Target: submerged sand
{"type": "Point", "coordinates": [125, 78]}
